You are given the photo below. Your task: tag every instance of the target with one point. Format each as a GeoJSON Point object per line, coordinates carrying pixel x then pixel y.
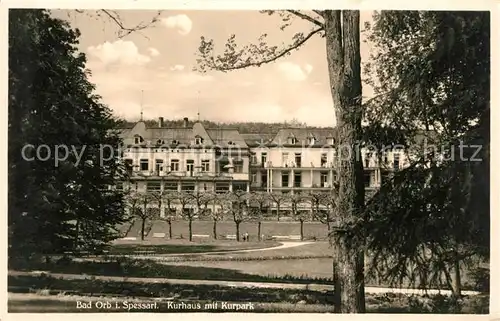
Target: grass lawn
{"type": "Point", "coordinates": [165, 246]}
{"type": "Point", "coordinates": [317, 270]}
{"type": "Point", "coordinates": [303, 269]}
{"type": "Point", "coordinates": [263, 300]}
{"type": "Point", "coordinates": [124, 267]}
{"type": "Point", "coordinates": [300, 268]}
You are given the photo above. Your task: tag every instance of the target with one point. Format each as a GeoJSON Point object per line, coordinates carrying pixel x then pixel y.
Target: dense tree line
{"type": "Point", "coordinates": [59, 197]}
{"type": "Point", "coordinates": [242, 127]}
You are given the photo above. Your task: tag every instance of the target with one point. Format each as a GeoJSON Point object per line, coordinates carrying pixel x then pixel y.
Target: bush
{"type": "Point", "coordinates": [434, 304]}
{"type": "Point", "coordinates": [481, 279]}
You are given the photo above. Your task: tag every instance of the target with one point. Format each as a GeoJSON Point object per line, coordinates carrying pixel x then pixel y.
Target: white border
{"type": "Point", "coordinates": [259, 4]}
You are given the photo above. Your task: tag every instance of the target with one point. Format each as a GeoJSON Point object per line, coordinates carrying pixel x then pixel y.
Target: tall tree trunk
{"type": "Point", "coordinates": [344, 65]}
{"type": "Point", "coordinates": [456, 281]}
{"type": "Point", "coordinates": [143, 228]}
{"type": "Point", "coordinates": [259, 224]}
{"type": "Point", "coordinates": [237, 231]}
{"type": "Point", "coordinates": [278, 212]}
{"type": "Point", "coordinates": [170, 229]}
{"type": "Point", "coordinates": [190, 229]}
{"type": "Point", "coordinates": [214, 229]}
{"type": "Point", "coordinates": [301, 230]}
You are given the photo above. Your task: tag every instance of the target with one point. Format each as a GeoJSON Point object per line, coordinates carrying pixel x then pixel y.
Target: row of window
{"type": "Point", "coordinates": [310, 140]}
{"type": "Point", "coordinates": [285, 179]}
{"type": "Point", "coordinates": [220, 187]}
{"type": "Point", "coordinates": [139, 140]}
{"type": "Point", "coordinates": [323, 160]}
{"type": "Point", "coordinates": [175, 165]}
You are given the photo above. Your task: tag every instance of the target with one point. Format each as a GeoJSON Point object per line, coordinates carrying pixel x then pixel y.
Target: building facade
{"type": "Point", "coordinates": [193, 158]}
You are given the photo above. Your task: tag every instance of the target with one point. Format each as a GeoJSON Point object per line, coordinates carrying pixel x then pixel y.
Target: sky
{"type": "Point", "coordinates": [154, 68]}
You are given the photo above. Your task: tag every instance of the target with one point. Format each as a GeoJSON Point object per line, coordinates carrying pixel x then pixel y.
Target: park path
{"type": "Point", "coordinates": [283, 245]}
{"type": "Point", "coordinates": [238, 284]}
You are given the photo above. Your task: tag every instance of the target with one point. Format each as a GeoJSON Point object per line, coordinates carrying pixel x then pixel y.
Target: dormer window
{"type": "Point", "coordinates": [331, 141]}
{"type": "Point", "coordinates": [311, 140]}
{"type": "Point", "coordinates": [198, 140]}
{"type": "Point", "coordinates": [160, 142]}
{"type": "Point", "coordinates": [292, 140]}
{"type": "Point", "coordinates": [138, 139]}
{"type": "Point", "coordinates": [175, 142]}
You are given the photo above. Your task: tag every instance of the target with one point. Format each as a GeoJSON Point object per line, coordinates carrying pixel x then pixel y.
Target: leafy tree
{"type": "Point", "coordinates": [185, 200]}
{"type": "Point", "coordinates": [57, 206]}
{"type": "Point", "coordinates": [217, 212]}
{"type": "Point", "coordinates": [170, 211]}
{"type": "Point", "coordinates": [201, 201]}
{"type": "Point", "coordinates": [322, 207]}
{"type": "Point", "coordinates": [162, 199]}
{"type": "Point", "coordinates": [259, 205]}
{"type": "Point", "coordinates": [340, 30]}
{"type": "Point", "coordinates": [132, 204]}
{"type": "Point", "coordinates": [237, 208]}
{"type": "Point", "coordinates": [144, 212]}
{"type": "Point", "coordinates": [431, 75]}
{"type": "Point", "coordinates": [301, 215]}
{"type": "Point", "coordinates": [278, 198]}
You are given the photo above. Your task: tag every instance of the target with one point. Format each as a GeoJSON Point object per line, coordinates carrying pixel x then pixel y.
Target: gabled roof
{"type": "Point", "coordinates": [223, 136]}
{"type": "Point", "coordinates": [181, 135]}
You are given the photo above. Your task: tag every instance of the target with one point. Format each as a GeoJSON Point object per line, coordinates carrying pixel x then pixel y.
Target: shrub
{"type": "Point", "coordinates": [481, 279]}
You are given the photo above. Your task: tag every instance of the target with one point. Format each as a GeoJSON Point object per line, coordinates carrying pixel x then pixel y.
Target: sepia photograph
{"type": "Point", "coordinates": [248, 161]}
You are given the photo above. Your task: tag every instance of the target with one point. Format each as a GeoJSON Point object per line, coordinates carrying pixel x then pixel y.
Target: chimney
{"type": "Point", "coordinates": [186, 122]}
{"type": "Point", "coordinates": [160, 122]}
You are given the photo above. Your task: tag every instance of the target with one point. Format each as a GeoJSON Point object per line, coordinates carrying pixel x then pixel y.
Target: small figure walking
{"type": "Point", "coordinates": [245, 237]}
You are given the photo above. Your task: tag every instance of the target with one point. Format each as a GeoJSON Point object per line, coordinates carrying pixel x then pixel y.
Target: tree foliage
{"type": "Point", "coordinates": [237, 208]}
{"type": "Point", "coordinates": [431, 73]}
{"type": "Point", "coordinates": [57, 207]}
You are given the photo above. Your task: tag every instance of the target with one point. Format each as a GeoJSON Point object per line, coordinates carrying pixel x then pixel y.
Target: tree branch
{"type": "Point", "coordinates": [319, 13]}
{"type": "Point", "coordinates": [232, 60]}
{"type": "Point", "coordinates": [307, 17]}
{"type": "Point", "coordinates": [126, 30]}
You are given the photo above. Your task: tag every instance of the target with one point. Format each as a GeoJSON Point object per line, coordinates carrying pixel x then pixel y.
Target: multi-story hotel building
{"type": "Point", "coordinates": [195, 158]}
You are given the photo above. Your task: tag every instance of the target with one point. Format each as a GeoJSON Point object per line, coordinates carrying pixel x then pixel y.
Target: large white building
{"type": "Point", "coordinates": [194, 158]}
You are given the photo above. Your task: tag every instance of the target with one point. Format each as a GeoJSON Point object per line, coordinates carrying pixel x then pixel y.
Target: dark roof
{"type": "Point", "coordinates": [223, 136]}
{"type": "Point", "coordinates": [320, 135]}
{"type": "Point", "coordinates": [258, 139]}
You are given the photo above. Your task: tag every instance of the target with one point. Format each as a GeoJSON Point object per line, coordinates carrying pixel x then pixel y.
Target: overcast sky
{"type": "Point", "coordinates": [160, 62]}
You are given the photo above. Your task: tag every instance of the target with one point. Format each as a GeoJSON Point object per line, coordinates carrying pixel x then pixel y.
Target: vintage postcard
{"type": "Point", "coordinates": [264, 160]}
